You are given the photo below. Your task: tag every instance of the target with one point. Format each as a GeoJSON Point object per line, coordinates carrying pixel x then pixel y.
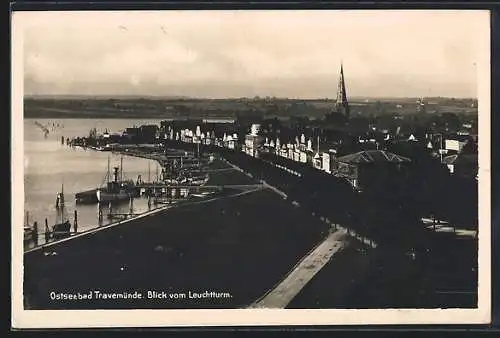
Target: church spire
{"type": "Point", "coordinates": [342, 106]}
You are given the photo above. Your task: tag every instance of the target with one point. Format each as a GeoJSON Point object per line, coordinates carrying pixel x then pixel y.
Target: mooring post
{"type": "Point", "coordinates": [47, 230]}
{"type": "Point", "coordinates": [131, 207]}
{"type": "Point", "coordinates": [75, 222]}
{"type": "Point", "coordinates": [34, 234]}
{"type": "Point", "coordinates": [99, 214]}
{"type": "Point", "coordinates": [149, 201]}
{"type": "Point", "coordinates": [110, 210]}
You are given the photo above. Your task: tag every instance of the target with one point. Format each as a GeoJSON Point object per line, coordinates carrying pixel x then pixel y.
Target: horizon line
{"type": "Point", "coordinates": [256, 97]}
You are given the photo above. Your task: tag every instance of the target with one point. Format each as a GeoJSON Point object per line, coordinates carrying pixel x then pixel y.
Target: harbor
{"type": "Point", "coordinates": [183, 202]}
{"type": "Point", "coordinates": [81, 172]}
{"type": "Point", "coordinates": [165, 179]}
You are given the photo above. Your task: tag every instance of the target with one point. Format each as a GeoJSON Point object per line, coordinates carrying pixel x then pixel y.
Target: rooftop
{"type": "Point", "coordinates": [461, 159]}
{"type": "Point", "coordinates": [373, 156]}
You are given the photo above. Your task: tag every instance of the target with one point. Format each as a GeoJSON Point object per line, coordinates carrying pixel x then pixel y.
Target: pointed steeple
{"type": "Point", "coordinates": [342, 106]}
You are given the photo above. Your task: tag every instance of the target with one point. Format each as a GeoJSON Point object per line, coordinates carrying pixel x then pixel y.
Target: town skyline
{"type": "Point", "coordinates": [231, 54]}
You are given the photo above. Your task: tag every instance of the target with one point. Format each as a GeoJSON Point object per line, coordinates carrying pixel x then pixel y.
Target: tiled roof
{"type": "Point", "coordinates": [372, 156]}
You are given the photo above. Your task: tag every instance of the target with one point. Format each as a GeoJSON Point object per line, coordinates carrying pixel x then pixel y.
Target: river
{"type": "Point", "coordinates": [48, 165]}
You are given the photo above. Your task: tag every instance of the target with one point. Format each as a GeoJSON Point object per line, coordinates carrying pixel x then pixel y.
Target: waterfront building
{"type": "Point", "coordinates": [329, 160]}
{"type": "Point", "coordinates": [282, 151]}
{"type": "Point", "coordinates": [325, 162]}
{"type": "Point", "coordinates": [252, 144]}
{"type": "Point", "coordinates": [455, 143]}
{"type": "Point", "coordinates": [465, 162]}
{"type": "Point", "coordinates": [148, 133]}
{"type": "Point", "coordinates": [305, 155]}
{"type": "Point", "coordinates": [253, 141]}
{"type": "Point", "coordinates": [412, 138]}
{"type": "Point", "coordinates": [309, 145]}
{"type": "Point", "coordinates": [229, 142]}
{"type": "Point", "coordinates": [302, 139]}
{"type": "Point", "coordinates": [317, 161]}
{"type": "Point", "coordinates": [132, 134]}
{"type": "Point", "coordinates": [219, 121]}
{"type": "Point", "coordinates": [365, 167]}
{"type": "Point", "coordinates": [255, 129]}
{"type": "Point", "coordinates": [465, 165]}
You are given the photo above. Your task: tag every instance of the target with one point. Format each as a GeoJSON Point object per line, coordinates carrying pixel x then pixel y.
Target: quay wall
{"type": "Point", "coordinates": [240, 245]}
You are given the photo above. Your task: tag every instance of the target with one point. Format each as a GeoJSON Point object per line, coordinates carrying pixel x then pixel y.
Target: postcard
{"type": "Point", "coordinates": [242, 168]}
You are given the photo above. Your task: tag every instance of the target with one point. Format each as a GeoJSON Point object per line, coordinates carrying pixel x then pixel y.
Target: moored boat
{"type": "Point", "coordinates": [117, 189]}
{"type": "Point", "coordinates": [86, 197]}
{"type": "Point", "coordinates": [28, 233]}
{"type": "Point", "coordinates": [63, 228]}
{"type": "Point", "coordinates": [198, 181]}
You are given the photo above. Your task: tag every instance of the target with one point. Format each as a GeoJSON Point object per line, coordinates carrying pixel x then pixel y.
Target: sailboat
{"type": "Point", "coordinates": [63, 228]}
{"type": "Point", "coordinates": [117, 189]}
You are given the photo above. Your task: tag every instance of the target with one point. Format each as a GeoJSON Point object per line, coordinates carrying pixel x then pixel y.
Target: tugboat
{"type": "Point", "coordinates": [118, 189]}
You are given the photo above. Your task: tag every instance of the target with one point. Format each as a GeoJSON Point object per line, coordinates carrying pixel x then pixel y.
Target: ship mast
{"type": "Point", "coordinates": [121, 169]}
{"type": "Point", "coordinates": [149, 172]}
{"type": "Point", "coordinates": [108, 172]}
{"type": "Point", "coordinates": [61, 203]}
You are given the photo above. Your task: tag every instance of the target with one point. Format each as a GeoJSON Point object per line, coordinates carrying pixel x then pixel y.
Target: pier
{"type": "Point", "coordinates": [186, 186]}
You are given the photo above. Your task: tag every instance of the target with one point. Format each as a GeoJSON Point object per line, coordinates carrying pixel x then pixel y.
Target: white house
{"type": "Point", "coordinates": [317, 161]}
{"type": "Point", "coordinates": [455, 144]}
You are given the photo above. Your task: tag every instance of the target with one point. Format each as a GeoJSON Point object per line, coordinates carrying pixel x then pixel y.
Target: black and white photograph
{"type": "Point", "coordinates": [250, 167]}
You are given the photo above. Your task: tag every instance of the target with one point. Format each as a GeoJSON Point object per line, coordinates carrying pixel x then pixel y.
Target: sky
{"type": "Point", "coordinates": [219, 54]}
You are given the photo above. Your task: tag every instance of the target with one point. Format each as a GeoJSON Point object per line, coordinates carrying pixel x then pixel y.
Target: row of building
{"type": "Point", "coordinates": [333, 145]}
{"type": "Point", "coordinates": [458, 153]}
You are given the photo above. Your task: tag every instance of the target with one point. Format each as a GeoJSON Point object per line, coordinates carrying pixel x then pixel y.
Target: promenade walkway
{"type": "Point", "coordinates": [281, 295]}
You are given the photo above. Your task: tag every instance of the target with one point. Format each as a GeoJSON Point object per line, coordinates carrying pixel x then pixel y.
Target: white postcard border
{"type": "Point", "coordinates": [239, 317]}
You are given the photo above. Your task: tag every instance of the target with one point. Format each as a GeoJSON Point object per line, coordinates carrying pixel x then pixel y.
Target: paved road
{"type": "Point", "coordinates": [302, 273]}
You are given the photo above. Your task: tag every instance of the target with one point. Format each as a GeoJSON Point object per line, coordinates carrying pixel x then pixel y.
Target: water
{"type": "Point", "coordinates": [48, 165]}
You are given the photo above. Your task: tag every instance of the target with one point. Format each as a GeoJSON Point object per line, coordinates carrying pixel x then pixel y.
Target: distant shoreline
{"type": "Point", "coordinates": [184, 108]}
{"type": "Point", "coordinates": [261, 98]}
